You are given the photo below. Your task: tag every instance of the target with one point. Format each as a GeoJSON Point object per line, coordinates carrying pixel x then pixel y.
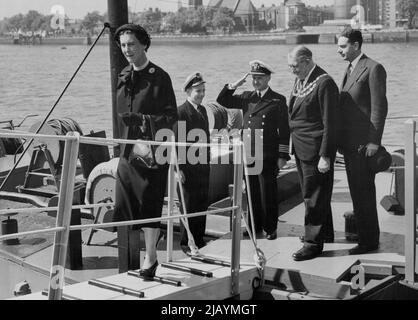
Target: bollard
{"type": "Point", "coordinates": [9, 226]}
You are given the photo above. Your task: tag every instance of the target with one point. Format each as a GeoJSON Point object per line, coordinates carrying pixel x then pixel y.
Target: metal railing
{"type": "Point", "coordinates": [410, 202]}
{"type": "Point", "coordinates": [65, 204]}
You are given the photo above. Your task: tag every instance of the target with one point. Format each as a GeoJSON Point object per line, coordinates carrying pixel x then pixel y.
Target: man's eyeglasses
{"type": "Point", "coordinates": [295, 65]}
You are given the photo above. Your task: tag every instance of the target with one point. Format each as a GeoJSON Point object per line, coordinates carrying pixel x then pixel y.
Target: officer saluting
{"type": "Point", "coordinates": [265, 121]}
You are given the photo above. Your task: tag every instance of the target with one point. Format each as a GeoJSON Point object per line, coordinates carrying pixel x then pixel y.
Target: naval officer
{"type": "Point", "coordinates": [194, 173]}
{"type": "Point", "coordinates": [265, 124]}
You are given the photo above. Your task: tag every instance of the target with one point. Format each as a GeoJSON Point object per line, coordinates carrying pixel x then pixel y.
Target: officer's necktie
{"type": "Point", "coordinates": [203, 113]}
{"type": "Point", "coordinates": [258, 95]}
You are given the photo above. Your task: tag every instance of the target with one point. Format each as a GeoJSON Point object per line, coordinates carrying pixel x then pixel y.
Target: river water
{"type": "Point", "coordinates": [32, 77]}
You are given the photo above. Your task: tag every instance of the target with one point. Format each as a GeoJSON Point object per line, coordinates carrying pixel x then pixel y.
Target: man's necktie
{"type": "Point", "coordinates": [348, 73]}
{"type": "Point", "coordinates": [349, 70]}
{"type": "Point", "coordinates": [203, 113]}
{"type": "Point", "coordinates": [201, 109]}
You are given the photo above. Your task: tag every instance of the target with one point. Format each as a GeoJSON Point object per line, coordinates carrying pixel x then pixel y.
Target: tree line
{"type": "Point", "coordinates": [186, 20]}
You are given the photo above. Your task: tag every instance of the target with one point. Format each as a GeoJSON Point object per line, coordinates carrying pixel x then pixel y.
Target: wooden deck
{"type": "Point", "coordinates": [192, 287]}
{"type": "Point", "coordinates": [325, 276]}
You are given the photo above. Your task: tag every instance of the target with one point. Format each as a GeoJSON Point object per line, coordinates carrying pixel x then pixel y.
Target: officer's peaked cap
{"type": "Point", "coordinates": [193, 80]}
{"type": "Point", "coordinates": [258, 67]}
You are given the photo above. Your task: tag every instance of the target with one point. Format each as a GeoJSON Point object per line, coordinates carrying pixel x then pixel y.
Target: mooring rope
{"type": "Point", "coordinates": [260, 259]}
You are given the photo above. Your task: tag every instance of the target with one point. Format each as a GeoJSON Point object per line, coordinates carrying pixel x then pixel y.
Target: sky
{"type": "Point", "coordinates": [79, 8]}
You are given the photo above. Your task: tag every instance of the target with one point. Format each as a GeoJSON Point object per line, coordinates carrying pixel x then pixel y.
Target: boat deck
{"type": "Point", "coordinates": [322, 277]}
{"type": "Point", "coordinates": [192, 287]}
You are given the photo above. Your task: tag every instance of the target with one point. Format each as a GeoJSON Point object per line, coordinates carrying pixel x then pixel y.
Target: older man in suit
{"type": "Point", "coordinates": [265, 126]}
{"type": "Point", "coordinates": [194, 173]}
{"type": "Point", "coordinates": [364, 109]}
{"type": "Point", "coordinates": [313, 110]}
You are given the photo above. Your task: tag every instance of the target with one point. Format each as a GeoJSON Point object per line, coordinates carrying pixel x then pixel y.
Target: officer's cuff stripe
{"type": "Point", "coordinates": [283, 148]}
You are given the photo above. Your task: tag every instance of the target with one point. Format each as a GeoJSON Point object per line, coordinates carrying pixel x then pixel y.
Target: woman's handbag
{"type": "Point", "coordinates": [143, 153]}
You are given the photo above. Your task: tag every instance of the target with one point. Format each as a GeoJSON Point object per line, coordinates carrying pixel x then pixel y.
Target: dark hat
{"type": "Point", "coordinates": [193, 80]}
{"type": "Point", "coordinates": [258, 67]}
{"type": "Point", "coordinates": [142, 34]}
{"type": "Point", "coordinates": [381, 161]}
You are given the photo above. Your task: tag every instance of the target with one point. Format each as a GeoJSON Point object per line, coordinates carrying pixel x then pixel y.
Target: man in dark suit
{"type": "Point", "coordinates": [363, 108]}
{"type": "Point", "coordinates": [313, 122]}
{"type": "Point", "coordinates": [194, 163]}
{"type": "Point", "coordinates": [266, 129]}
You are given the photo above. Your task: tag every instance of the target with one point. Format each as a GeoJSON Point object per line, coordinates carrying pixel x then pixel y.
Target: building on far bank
{"type": "Point", "coordinates": [273, 17]}
{"type": "Point", "coordinates": [372, 12]}
{"type": "Point", "coordinates": [244, 12]}
{"type": "Point", "coordinates": [195, 3]}
{"type": "Point", "coordinates": [317, 15]}
{"type": "Point", "coordinates": [388, 13]}
{"type": "Point", "coordinates": [279, 16]}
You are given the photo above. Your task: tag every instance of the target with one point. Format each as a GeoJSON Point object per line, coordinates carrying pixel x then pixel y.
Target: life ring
{"type": "Point", "coordinates": [222, 118]}
{"type": "Point", "coordinates": [100, 188]}
{"type": "Point", "coordinates": [217, 116]}
{"type": "Point", "coordinates": [101, 182]}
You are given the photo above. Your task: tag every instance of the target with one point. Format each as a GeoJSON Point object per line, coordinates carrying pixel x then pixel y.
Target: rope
{"type": "Point", "coordinates": [191, 243]}
{"type": "Point", "coordinates": [260, 259]}
{"type": "Point", "coordinates": [65, 125]}
{"type": "Point", "coordinates": [106, 25]}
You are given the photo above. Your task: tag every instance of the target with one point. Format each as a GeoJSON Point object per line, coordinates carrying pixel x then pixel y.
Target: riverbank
{"type": "Point", "coordinates": [384, 36]}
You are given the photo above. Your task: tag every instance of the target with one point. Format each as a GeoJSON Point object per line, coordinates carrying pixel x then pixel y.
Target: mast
{"type": "Point", "coordinates": [118, 15]}
{"type": "Point", "coordinates": [128, 239]}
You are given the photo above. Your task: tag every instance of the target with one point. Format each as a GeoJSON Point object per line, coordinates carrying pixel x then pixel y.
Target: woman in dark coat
{"type": "Point", "coordinates": [144, 94]}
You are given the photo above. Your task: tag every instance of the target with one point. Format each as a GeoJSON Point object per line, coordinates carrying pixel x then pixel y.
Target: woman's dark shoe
{"type": "Point", "coordinates": [150, 272]}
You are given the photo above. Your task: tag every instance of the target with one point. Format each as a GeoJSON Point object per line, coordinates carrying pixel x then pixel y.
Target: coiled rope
{"type": "Point", "coordinates": [65, 125]}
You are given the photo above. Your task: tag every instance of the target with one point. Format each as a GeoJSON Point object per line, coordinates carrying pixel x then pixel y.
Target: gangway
{"type": "Point", "coordinates": [228, 279]}
{"type": "Point", "coordinates": [330, 276]}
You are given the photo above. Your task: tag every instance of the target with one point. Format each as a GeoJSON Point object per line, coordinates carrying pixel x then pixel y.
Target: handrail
{"type": "Point", "coordinates": [65, 202]}
{"type": "Point", "coordinates": [108, 141]}
{"type": "Point", "coordinates": [150, 220]}
{"type": "Point", "coordinates": [114, 224]}
{"type": "Point", "coordinates": [30, 233]}
{"type": "Point", "coordinates": [65, 207]}
{"type": "Point", "coordinates": [6, 212]}
{"type": "Point", "coordinates": [410, 202]}
{"type": "Point", "coordinates": [13, 134]}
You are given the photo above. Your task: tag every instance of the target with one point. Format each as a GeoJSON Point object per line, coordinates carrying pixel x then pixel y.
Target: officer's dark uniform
{"type": "Point", "coordinates": [269, 115]}
{"type": "Point", "coordinates": [196, 186]}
